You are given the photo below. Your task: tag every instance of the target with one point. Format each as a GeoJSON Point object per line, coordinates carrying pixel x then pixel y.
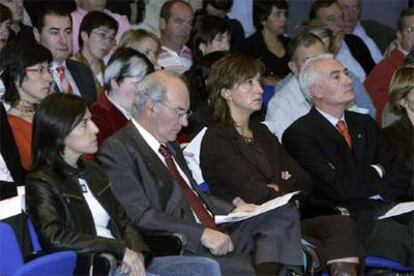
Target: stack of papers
{"type": "Point", "coordinates": [399, 209]}
{"type": "Point", "coordinates": [267, 206]}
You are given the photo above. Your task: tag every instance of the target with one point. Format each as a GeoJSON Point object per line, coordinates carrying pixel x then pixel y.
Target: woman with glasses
{"type": "Point", "coordinates": [27, 81]}
{"type": "Point", "coordinates": [71, 203]}
{"type": "Point", "coordinates": [96, 39]}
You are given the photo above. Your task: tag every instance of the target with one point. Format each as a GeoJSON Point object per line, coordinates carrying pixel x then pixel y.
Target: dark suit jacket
{"type": "Point", "coordinates": [11, 157]}
{"type": "Point", "coordinates": [107, 118]}
{"type": "Point", "coordinates": [342, 175]}
{"type": "Point", "coordinates": [84, 79]}
{"type": "Point", "coordinates": [235, 171]}
{"type": "Point", "coordinates": [146, 189]}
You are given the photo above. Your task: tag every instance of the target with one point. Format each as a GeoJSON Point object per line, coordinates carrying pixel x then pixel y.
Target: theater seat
{"type": "Point", "coordinates": [61, 263]}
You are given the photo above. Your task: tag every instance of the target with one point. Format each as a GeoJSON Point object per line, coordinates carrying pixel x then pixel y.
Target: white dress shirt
{"type": "Point", "coordinates": [348, 61]}
{"type": "Point", "coordinates": [68, 76]}
{"type": "Point", "coordinates": [155, 145]}
{"type": "Point", "coordinates": [373, 48]}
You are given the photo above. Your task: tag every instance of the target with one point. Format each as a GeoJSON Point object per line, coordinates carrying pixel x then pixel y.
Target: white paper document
{"type": "Point", "coordinates": [14, 205]}
{"type": "Point", "coordinates": [399, 209]}
{"type": "Point", "coordinates": [267, 206]}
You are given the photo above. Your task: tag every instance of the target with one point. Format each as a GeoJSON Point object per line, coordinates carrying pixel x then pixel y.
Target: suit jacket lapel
{"type": "Point", "coordinates": [358, 138]}
{"type": "Point", "coordinates": [170, 197]}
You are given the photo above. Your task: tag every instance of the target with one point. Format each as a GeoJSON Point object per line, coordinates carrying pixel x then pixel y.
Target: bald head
{"type": "Point", "coordinates": [162, 105]}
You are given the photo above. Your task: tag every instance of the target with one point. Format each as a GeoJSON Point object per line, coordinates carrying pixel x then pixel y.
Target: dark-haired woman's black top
{"type": "Point", "coordinates": [398, 139]}
{"type": "Point", "coordinates": [62, 217]}
{"type": "Point", "coordinates": [275, 66]}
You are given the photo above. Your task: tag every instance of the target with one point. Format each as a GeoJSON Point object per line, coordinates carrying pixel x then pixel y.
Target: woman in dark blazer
{"type": "Point", "coordinates": [240, 158]}
{"type": "Point", "coordinates": [398, 138]}
{"type": "Point", "coordinates": [70, 200]}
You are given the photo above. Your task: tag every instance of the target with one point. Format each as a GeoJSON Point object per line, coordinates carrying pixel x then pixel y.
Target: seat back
{"type": "Point", "coordinates": [10, 256]}
{"type": "Point", "coordinates": [384, 263]}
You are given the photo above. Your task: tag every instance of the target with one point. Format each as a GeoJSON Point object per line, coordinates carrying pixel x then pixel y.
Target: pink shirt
{"type": "Point", "coordinates": [77, 16]}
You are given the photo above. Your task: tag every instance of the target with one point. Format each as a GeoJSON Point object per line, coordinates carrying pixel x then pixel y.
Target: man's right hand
{"type": "Point", "coordinates": [218, 243]}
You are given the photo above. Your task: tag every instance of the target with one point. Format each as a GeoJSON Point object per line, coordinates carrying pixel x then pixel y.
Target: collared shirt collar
{"type": "Point", "coordinates": [148, 137]}
{"type": "Point", "coordinates": [331, 118]}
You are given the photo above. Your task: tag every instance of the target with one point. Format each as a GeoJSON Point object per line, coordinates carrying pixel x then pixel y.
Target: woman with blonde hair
{"type": "Point", "coordinates": [399, 136]}
{"type": "Point", "coordinates": [142, 41]}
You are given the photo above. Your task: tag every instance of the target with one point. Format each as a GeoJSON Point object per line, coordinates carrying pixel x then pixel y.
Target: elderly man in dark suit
{"type": "Point", "coordinates": [53, 29]}
{"type": "Point", "coordinates": [339, 149]}
{"type": "Point", "coordinates": [152, 181]}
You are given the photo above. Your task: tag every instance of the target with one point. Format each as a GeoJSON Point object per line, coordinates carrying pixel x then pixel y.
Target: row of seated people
{"type": "Point", "coordinates": [41, 70]}
{"type": "Point", "coordinates": [97, 31]}
{"type": "Point", "coordinates": [159, 117]}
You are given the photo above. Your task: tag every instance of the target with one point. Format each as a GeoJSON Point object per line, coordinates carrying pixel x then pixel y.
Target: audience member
{"type": "Point", "coordinates": [353, 53]}
{"type": "Point", "coordinates": [399, 136]}
{"type": "Point", "coordinates": [94, 222]}
{"type": "Point", "coordinates": [289, 102]}
{"type": "Point", "coordinates": [210, 33]}
{"type": "Point", "coordinates": [142, 41]}
{"type": "Point", "coordinates": [141, 161]}
{"type": "Point", "coordinates": [96, 39]}
{"type": "Point", "coordinates": [5, 24]}
{"type": "Point", "coordinates": [268, 43]}
{"type": "Point", "coordinates": [196, 78]}
{"type": "Point", "coordinates": [377, 82]}
{"type": "Point", "coordinates": [220, 8]}
{"type": "Point", "coordinates": [53, 29]}
{"type": "Point", "coordinates": [254, 166]}
{"type": "Point", "coordinates": [124, 71]}
{"type": "Point", "coordinates": [176, 19]}
{"type": "Point", "coordinates": [85, 6]}
{"type": "Point", "coordinates": [11, 174]}
{"type": "Point", "coordinates": [27, 81]}
{"type": "Point", "coordinates": [352, 25]}
{"type": "Point", "coordinates": [339, 150]}
{"type": "Point", "coordinates": [19, 30]}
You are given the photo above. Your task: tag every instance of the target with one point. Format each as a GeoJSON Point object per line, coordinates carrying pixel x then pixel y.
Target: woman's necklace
{"type": "Point", "coordinates": [25, 110]}
{"type": "Point", "coordinates": [247, 139]}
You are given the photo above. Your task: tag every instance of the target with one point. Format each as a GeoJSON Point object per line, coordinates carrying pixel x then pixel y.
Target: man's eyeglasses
{"type": "Point", "coordinates": [181, 113]}
{"type": "Point", "coordinates": [177, 110]}
{"type": "Point", "coordinates": [104, 36]}
{"type": "Point", "coordinates": [42, 69]}
{"type": "Point", "coordinates": [409, 29]}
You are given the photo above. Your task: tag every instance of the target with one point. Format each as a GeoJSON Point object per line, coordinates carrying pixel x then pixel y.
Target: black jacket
{"type": "Point", "coordinates": [63, 219]}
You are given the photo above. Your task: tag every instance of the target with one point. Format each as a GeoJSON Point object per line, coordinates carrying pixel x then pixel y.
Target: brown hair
{"type": "Point", "coordinates": [226, 73]}
{"type": "Point", "coordinates": [401, 84]}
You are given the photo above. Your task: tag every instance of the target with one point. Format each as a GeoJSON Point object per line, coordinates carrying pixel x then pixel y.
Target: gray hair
{"type": "Point", "coordinates": [150, 87]}
{"type": "Point", "coordinates": [308, 76]}
{"type": "Point", "coordinates": [121, 67]}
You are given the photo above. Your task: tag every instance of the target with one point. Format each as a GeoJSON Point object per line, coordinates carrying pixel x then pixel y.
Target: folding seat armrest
{"type": "Point", "coordinates": [164, 243]}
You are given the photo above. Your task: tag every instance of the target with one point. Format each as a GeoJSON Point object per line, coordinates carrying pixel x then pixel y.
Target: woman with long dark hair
{"type": "Point", "coordinates": [70, 200]}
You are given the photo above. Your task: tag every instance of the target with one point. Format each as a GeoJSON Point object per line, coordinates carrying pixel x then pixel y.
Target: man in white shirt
{"type": "Point", "coordinates": [289, 103]}
{"type": "Point", "coordinates": [352, 25]}
{"type": "Point", "coordinates": [154, 184]}
{"type": "Point", "coordinates": [339, 149]}
{"type": "Point", "coordinates": [176, 19]}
